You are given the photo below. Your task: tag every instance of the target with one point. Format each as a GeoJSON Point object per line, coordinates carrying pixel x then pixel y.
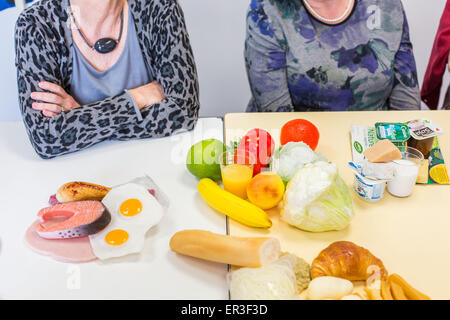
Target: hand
{"type": "Point", "coordinates": [53, 101]}
{"type": "Point", "coordinates": [147, 95]}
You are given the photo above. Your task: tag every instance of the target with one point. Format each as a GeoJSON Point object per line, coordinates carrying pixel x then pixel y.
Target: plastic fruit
{"type": "Point", "coordinates": [439, 174]}
{"type": "Point", "coordinates": [265, 190]}
{"type": "Point", "coordinates": [300, 130]}
{"type": "Point", "coordinates": [202, 159]}
{"type": "Point", "coordinates": [234, 207]}
{"type": "Point", "coordinates": [260, 144]}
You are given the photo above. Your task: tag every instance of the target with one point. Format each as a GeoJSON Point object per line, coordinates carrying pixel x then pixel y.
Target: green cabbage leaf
{"type": "Point", "coordinates": [317, 199]}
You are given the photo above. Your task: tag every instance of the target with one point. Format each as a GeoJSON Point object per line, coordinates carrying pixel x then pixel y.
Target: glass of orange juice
{"type": "Point", "coordinates": [237, 171]}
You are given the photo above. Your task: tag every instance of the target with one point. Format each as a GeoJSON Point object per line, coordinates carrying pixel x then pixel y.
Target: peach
{"type": "Point", "coordinates": [265, 190]}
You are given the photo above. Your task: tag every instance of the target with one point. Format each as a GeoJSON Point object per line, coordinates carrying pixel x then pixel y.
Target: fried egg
{"type": "Point", "coordinates": [133, 212]}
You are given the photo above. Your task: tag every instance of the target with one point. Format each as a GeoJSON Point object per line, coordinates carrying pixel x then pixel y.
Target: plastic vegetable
{"type": "Point", "coordinates": [300, 130]}
{"type": "Point", "coordinates": [317, 199]}
{"type": "Point", "coordinates": [275, 281]}
{"type": "Point", "coordinates": [291, 157]}
{"type": "Point", "coordinates": [260, 144]}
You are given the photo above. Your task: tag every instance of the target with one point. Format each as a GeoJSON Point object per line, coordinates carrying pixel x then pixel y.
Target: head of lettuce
{"type": "Point", "coordinates": [317, 199]}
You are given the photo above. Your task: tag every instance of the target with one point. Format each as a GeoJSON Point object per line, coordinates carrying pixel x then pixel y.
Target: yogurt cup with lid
{"type": "Point", "coordinates": [368, 189]}
{"type": "Point", "coordinates": [423, 133]}
{"type": "Point", "coordinates": [396, 132]}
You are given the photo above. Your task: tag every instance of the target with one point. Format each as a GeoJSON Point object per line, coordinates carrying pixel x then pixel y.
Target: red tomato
{"type": "Point", "coordinates": [300, 130]}
{"type": "Point", "coordinates": [242, 156]}
{"type": "Point", "coordinates": [259, 144]}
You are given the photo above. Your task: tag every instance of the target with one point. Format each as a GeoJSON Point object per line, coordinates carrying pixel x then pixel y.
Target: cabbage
{"type": "Point", "coordinates": [317, 199]}
{"type": "Point", "coordinates": [275, 281]}
{"type": "Point", "coordinates": [291, 157]}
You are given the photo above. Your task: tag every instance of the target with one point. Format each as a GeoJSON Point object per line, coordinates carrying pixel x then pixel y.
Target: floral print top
{"type": "Point", "coordinates": [297, 63]}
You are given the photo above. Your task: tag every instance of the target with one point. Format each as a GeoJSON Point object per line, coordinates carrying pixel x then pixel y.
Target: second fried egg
{"type": "Point", "coordinates": [133, 212]}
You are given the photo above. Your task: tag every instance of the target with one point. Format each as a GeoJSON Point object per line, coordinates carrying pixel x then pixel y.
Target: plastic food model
{"type": "Point", "coordinates": [133, 212]}
{"type": "Point", "coordinates": [317, 199]}
{"type": "Point", "coordinates": [86, 230]}
{"type": "Point", "coordinates": [275, 281]}
{"type": "Point", "coordinates": [344, 259]}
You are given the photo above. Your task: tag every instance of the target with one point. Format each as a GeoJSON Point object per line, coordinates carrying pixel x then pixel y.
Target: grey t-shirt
{"type": "Point", "coordinates": [130, 71]}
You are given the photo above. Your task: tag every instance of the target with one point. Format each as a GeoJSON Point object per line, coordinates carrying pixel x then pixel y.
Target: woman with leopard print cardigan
{"type": "Point", "coordinates": [56, 124]}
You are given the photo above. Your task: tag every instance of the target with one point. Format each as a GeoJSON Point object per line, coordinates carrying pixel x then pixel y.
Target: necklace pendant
{"type": "Point", "coordinates": [105, 45]}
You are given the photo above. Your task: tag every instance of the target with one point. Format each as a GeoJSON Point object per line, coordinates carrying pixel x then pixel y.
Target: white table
{"type": "Point", "coordinates": [156, 273]}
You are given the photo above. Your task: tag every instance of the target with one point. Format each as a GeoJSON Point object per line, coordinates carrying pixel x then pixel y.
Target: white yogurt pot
{"type": "Point", "coordinates": [369, 190]}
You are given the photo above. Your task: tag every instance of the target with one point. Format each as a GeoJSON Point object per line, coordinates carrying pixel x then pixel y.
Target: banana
{"type": "Point", "coordinates": [232, 206]}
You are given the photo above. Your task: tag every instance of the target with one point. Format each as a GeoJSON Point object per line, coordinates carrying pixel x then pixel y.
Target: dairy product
{"type": "Point", "coordinates": [405, 176]}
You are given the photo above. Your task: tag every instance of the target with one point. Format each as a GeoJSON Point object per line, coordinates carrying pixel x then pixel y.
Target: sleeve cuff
{"type": "Point", "coordinates": [138, 112]}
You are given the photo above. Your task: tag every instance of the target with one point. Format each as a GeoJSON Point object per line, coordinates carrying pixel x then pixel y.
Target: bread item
{"type": "Point", "coordinates": [244, 252]}
{"type": "Point", "coordinates": [302, 274]}
{"type": "Point", "coordinates": [386, 290]}
{"type": "Point", "coordinates": [373, 293]}
{"type": "Point", "coordinates": [352, 297]}
{"type": "Point", "coordinates": [383, 151]}
{"type": "Point", "coordinates": [344, 259]}
{"type": "Point", "coordinates": [329, 288]}
{"type": "Point", "coordinates": [397, 291]}
{"type": "Point", "coordinates": [409, 291]}
{"type": "Point", "coordinates": [80, 191]}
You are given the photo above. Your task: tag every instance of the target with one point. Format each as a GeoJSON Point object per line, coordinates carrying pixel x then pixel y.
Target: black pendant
{"type": "Point", "coordinates": [105, 45]}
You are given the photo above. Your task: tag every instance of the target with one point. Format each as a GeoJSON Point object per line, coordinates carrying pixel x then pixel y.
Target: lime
{"type": "Point", "coordinates": [202, 159]}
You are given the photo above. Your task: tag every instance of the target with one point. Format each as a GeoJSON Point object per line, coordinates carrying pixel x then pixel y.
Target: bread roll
{"type": "Point", "coordinates": [81, 191]}
{"type": "Point", "coordinates": [329, 288]}
{"type": "Point", "coordinates": [244, 252]}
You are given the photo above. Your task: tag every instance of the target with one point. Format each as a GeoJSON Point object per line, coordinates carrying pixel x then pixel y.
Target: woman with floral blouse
{"type": "Point", "coordinates": [330, 55]}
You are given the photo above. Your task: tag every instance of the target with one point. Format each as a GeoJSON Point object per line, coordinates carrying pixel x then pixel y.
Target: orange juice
{"type": "Point", "coordinates": [236, 177]}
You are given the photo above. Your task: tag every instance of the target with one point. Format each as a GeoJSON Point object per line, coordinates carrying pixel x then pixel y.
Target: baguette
{"type": "Point", "coordinates": [81, 191]}
{"type": "Point", "coordinates": [243, 252]}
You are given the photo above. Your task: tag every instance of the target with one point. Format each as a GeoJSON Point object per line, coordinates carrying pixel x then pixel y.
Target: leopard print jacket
{"type": "Point", "coordinates": [43, 41]}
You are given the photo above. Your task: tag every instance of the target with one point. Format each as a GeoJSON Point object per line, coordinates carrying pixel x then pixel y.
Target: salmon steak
{"type": "Point", "coordinates": [72, 220]}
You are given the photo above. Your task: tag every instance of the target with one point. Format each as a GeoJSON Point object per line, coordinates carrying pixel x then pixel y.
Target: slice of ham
{"type": "Point", "coordinates": [75, 250]}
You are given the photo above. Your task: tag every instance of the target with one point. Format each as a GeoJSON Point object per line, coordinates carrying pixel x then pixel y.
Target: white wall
{"type": "Point", "coordinates": [217, 30]}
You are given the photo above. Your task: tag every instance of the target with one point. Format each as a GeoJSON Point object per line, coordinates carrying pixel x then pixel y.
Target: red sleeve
{"type": "Point", "coordinates": [432, 82]}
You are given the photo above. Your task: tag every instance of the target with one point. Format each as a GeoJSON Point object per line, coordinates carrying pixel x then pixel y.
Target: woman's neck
{"type": "Point", "coordinates": [329, 8]}
{"type": "Point", "coordinates": [97, 16]}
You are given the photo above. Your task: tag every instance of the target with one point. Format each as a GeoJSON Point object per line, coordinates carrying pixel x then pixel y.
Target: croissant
{"type": "Point", "coordinates": [344, 259]}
